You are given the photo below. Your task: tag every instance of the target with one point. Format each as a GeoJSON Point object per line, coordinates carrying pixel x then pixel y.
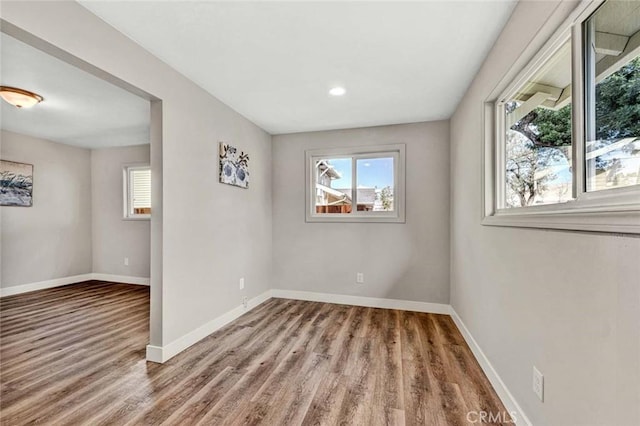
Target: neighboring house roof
{"type": "Point", "coordinates": [328, 169]}
{"type": "Point", "coordinates": [340, 194]}
{"type": "Point", "coordinates": [365, 195]}
{"type": "Point", "coordinates": [551, 87]}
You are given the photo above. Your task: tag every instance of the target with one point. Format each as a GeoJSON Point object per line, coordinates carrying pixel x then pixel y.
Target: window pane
{"type": "Point", "coordinates": [333, 191]}
{"type": "Point", "coordinates": [141, 191]}
{"type": "Point", "coordinates": [375, 178]}
{"type": "Point", "coordinates": [538, 136]}
{"type": "Point", "coordinates": [612, 151]}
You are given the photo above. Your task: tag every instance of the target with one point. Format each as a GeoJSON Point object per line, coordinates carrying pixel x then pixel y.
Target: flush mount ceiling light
{"type": "Point", "coordinates": [20, 98]}
{"type": "Point", "coordinates": [337, 91]}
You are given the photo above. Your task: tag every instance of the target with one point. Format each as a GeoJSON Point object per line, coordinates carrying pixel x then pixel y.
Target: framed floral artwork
{"type": "Point", "coordinates": [234, 166]}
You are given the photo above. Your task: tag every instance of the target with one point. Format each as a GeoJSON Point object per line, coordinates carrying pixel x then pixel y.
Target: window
{"type": "Point", "coordinates": [537, 138]}
{"type": "Point", "coordinates": [612, 85]}
{"type": "Point", "coordinates": [137, 192]}
{"type": "Point", "coordinates": [565, 152]}
{"type": "Point", "coordinates": [364, 184]}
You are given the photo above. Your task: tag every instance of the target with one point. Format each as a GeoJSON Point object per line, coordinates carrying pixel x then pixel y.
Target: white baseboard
{"type": "Point", "coordinates": [501, 389]}
{"type": "Point", "coordinates": [121, 279]}
{"type": "Point", "coordinates": [41, 285]}
{"type": "Point", "coordinates": [164, 353]}
{"type": "Point", "coordinates": [154, 354]}
{"type": "Point", "coordinates": [370, 302]}
{"type": "Point", "coordinates": [57, 282]}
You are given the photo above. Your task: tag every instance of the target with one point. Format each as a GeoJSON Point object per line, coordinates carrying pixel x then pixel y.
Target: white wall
{"type": "Point", "coordinates": [212, 234]}
{"type": "Point", "coordinates": [407, 261]}
{"type": "Point", "coordinates": [113, 237]}
{"type": "Point", "coordinates": [566, 302]}
{"type": "Point", "coordinates": [75, 225]}
{"type": "Point", "coordinates": [51, 239]}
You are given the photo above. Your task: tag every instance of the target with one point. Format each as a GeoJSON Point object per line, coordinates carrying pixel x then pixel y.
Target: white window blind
{"type": "Point", "coordinates": [141, 189]}
{"type": "Point", "coordinates": [137, 192]}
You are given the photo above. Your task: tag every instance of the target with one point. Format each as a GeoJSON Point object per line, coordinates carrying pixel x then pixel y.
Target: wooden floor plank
{"type": "Point", "coordinates": [74, 355]}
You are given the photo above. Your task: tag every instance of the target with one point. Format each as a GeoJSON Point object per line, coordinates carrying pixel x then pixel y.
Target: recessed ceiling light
{"type": "Point", "coordinates": [20, 98]}
{"type": "Point", "coordinates": [337, 91]}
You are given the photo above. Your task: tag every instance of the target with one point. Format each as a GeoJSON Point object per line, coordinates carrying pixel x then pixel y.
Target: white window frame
{"type": "Point", "coordinates": [397, 151]}
{"type": "Point", "coordinates": [127, 192]}
{"type": "Point", "coordinates": [615, 210]}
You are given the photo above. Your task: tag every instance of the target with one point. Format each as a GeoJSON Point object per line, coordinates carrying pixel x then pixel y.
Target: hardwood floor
{"type": "Point", "coordinates": [75, 355]}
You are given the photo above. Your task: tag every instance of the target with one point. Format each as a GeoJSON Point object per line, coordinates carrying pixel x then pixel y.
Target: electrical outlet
{"type": "Point", "coordinates": [126, 261]}
{"type": "Point", "coordinates": [245, 302]}
{"type": "Point", "coordinates": [241, 283]}
{"type": "Point", "coordinates": [360, 278]}
{"type": "Point", "coordinates": [538, 383]}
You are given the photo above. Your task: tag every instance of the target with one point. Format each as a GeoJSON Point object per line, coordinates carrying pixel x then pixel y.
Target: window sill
{"type": "Point", "coordinates": [355, 219]}
{"type": "Point", "coordinates": [134, 218]}
{"type": "Point", "coordinates": [623, 221]}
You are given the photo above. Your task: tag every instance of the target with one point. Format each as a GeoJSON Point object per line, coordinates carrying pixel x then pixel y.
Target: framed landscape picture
{"type": "Point", "coordinates": [16, 184]}
{"type": "Point", "coordinates": [234, 166]}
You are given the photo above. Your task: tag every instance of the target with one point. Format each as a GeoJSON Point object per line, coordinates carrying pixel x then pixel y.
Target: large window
{"type": "Point", "coordinates": [356, 184]}
{"type": "Point", "coordinates": [537, 136]}
{"type": "Point", "coordinates": [567, 128]}
{"type": "Point", "coordinates": [137, 192]}
{"type": "Point", "coordinates": [612, 151]}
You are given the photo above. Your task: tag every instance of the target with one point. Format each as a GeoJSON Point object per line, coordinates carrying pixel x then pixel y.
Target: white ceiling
{"type": "Point", "coordinates": [78, 108]}
{"type": "Point", "coordinates": [274, 62]}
